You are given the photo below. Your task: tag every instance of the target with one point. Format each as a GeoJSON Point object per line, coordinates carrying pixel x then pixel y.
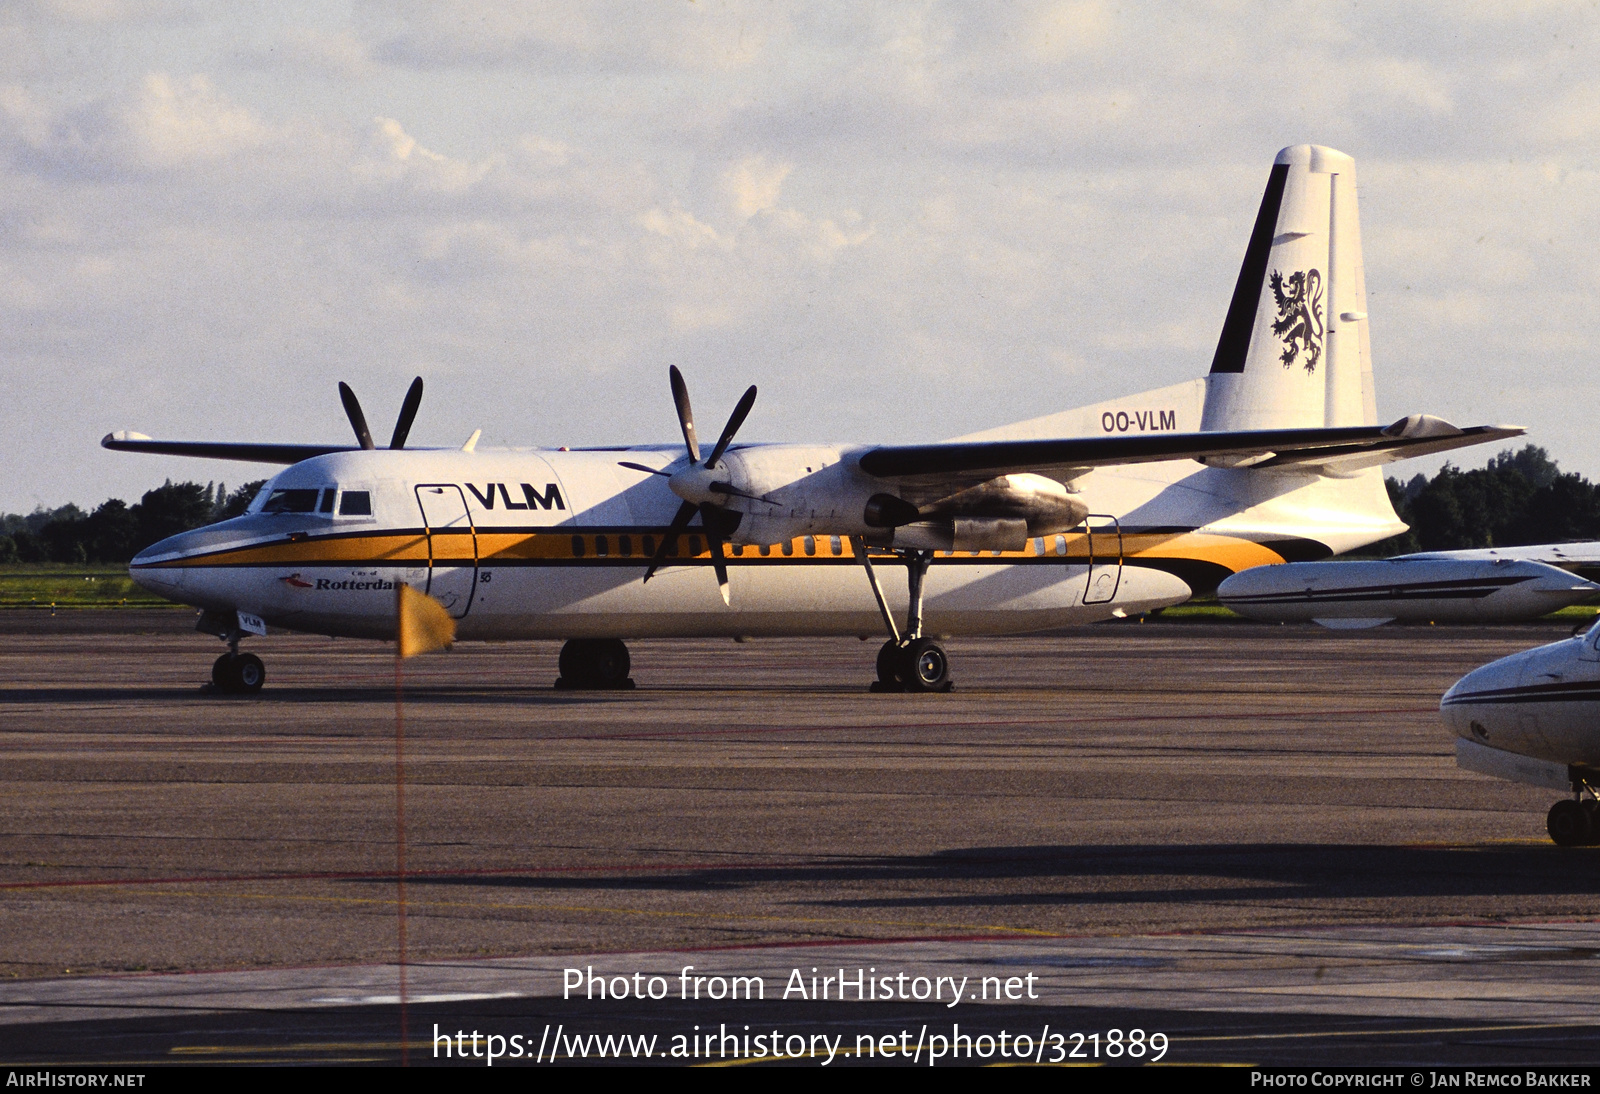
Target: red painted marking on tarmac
{"type": "Point", "coordinates": [391, 875]}
{"type": "Point", "coordinates": [659, 734]}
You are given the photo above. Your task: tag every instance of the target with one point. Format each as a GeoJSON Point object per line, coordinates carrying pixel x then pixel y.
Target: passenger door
{"type": "Point", "coordinates": [1105, 558]}
{"type": "Point", "coordinates": [452, 546]}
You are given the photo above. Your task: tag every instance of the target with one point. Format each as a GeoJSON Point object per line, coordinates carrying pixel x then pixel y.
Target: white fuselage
{"type": "Point", "coordinates": [1409, 589]}
{"type": "Point", "coordinates": [541, 543]}
{"type": "Point", "coordinates": [1530, 716]}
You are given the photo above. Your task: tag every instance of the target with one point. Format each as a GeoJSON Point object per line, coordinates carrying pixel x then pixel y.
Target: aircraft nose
{"type": "Point", "coordinates": [159, 567]}
{"type": "Point", "coordinates": [1470, 709]}
{"type": "Point", "coordinates": [1561, 586]}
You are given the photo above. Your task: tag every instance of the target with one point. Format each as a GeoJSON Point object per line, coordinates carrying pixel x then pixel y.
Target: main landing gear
{"type": "Point", "coordinates": [1575, 821]}
{"type": "Point", "coordinates": [908, 661]}
{"type": "Point", "coordinates": [594, 664]}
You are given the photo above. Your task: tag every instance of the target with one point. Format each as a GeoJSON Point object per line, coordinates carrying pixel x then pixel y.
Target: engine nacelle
{"type": "Point", "coordinates": [964, 534]}
{"type": "Point", "coordinates": [997, 515]}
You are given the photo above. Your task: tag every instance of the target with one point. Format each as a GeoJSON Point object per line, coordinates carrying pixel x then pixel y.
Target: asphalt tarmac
{"type": "Point", "coordinates": [1253, 838]}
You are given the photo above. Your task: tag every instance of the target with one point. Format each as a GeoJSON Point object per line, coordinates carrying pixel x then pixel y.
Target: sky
{"type": "Point", "coordinates": [902, 221]}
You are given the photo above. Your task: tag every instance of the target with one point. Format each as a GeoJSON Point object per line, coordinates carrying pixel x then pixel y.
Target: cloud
{"type": "Point", "coordinates": [962, 214]}
{"type": "Point", "coordinates": [754, 185]}
{"type": "Point", "coordinates": [391, 155]}
{"type": "Point", "coordinates": [161, 125]}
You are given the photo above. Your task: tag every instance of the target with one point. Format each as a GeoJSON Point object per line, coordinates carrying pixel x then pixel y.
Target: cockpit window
{"type": "Point", "coordinates": [327, 499]}
{"type": "Point", "coordinates": [291, 501]}
{"type": "Point", "coordinates": [356, 503]}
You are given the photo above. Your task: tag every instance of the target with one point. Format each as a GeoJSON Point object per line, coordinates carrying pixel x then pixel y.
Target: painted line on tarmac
{"type": "Point", "coordinates": [1019, 723]}
{"type": "Point", "coordinates": [970, 931]}
{"type": "Point", "coordinates": [411, 875]}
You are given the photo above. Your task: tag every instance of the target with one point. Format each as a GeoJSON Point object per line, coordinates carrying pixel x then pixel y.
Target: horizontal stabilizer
{"type": "Point", "coordinates": [123, 441]}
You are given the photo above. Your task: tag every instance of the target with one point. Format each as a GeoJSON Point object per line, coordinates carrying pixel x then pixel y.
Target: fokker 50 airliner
{"type": "Point", "coordinates": [1111, 509]}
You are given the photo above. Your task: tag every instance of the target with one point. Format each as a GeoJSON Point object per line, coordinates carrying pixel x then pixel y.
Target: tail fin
{"type": "Point", "coordinates": [1294, 350]}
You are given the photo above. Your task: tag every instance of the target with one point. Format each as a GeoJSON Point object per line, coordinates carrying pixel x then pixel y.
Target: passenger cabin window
{"type": "Point", "coordinates": [291, 501]}
{"type": "Point", "coordinates": [356, 503]}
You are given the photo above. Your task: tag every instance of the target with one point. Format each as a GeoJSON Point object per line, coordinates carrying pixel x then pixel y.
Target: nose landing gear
{"type": "Point", "coordinates": [907, 662]}
{"type": "Point", "coordinates": [1575, 821]}
{"type": "Point", "coordinates": [233, 673]}
{"type": "Point", "coordinates": [238, 673]}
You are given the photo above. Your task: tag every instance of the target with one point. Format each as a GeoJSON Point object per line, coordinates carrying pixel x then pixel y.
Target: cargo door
{"type": "Point", "coordinates": [1105, 558]}
{"type": "Point", "coordinates": [452, 546]}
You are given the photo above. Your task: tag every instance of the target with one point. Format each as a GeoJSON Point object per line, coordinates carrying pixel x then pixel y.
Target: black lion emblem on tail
{"type": "Point", "coordinates": [1299, 321]}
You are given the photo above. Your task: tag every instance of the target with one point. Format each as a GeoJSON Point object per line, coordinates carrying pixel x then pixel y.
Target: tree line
{"type": "Point", "coordinates": [116, 531]}
{"type": "Point", "coordinates": [1517, 498]}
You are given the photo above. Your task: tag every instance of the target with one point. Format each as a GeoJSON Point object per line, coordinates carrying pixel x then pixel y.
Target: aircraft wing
{"type": "Point", "coordinates": [221, 450]}
{"type": "Point", "coordinates": [1335, 451]}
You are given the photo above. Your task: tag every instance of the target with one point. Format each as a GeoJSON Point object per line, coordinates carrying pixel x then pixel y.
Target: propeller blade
{"type": "Point", "coordinates": [358, 420]}
{"type": "Point", "coordinates": [708, 517]}
{"type": "Point", "coordinates": [642, 467]}
{"type": "Point", "coordinates": [680, 397]}
{"type": "Point", "coordinates": [686, 513]}
{"type": "Point", "coordinates": [408, 414]}
{"type": "Point", "coordinates": [735, 420]}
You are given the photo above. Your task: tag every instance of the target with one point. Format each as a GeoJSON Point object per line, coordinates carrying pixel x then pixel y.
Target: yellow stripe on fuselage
{"type": "Point", "coordinates": [552, 546]}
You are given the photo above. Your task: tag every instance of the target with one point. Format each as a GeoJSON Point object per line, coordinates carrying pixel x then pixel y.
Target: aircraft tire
{"type": "Point", "coordinates": [594, 664]}
{"type": "Point", "coordinates": [248, 674]}
{"type": "Point", "coordinates": [1591, 810]}
{"type": "Point", "coordinates": [238, 674]}
{"type": "Point", "coordinates": [609, 663]}
{"type": "Point", "coordinates": [889, 662]}
{"type": "Point", "coordinates": [574, 661]}
{"type": "Point", "coordinates": [1568, 824]}
{"type": "Point", "coordinates": [924, 666]}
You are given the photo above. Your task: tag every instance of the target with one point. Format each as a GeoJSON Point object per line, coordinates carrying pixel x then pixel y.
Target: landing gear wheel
{"type": "Point", "coordinates": [248, 674]}
{"type": "Point", "coordinates": [924, 666]}
{"type": "Point", "coordinates": [918, 665]}
{"type": "Point", "coordinates": [238, 674]}
{"type": "Point", "coordinates": [1568, 824]}
{"type": "Point", "coordinates": [889, 666]}
{"type": "Point", "coordinates": [594, 664]}
{"type": "Point", "coordinates": [1591, 812]}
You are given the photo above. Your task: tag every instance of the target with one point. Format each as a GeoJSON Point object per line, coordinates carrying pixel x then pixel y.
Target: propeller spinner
{"type": "Point", "coordinates": [697, 484]}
